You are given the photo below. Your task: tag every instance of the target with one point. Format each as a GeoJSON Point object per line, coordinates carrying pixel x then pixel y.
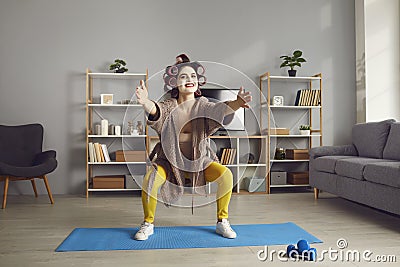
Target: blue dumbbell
{"type": "Point", "coordinates": [312, 254]}
{"type": "Point", "coordinates": [289, 249]}
{"type": "Point", "coordinates": [303, 245]}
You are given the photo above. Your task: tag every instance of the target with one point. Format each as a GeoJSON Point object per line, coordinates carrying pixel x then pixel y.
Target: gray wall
{"type": "Point", "coordinates": [46, 45]}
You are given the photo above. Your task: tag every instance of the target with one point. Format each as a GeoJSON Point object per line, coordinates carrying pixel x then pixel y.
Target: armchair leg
{"type": "Point", "coordinates": [6, 180]}
{"type": "Point", "coordinates": [34, 187]}
{"type": "Point", "coordinates": [316, 193]}
{"type": "Point", "coordinates": [48, 188]}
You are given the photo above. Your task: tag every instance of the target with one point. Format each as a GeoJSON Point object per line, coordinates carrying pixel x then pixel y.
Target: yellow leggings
{"type": "Point", "coordinates": [211, 173]}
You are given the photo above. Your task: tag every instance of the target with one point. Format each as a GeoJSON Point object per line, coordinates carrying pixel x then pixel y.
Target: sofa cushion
{"type": "Point", "coordinates": [386, 173]}
{"type": "Point", "coordinates": [370, 138]}
{"type": "Point", "coordinates": [392, 147]}
{"type": "Point", "coordinates": [353, 167]}
{"type": "Point", "coordinates": [327, 163]}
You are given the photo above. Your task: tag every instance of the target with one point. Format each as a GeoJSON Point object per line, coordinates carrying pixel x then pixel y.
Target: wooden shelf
{"type": "Point", "coordinates": [271, 85]}
{"type": "Point", "coordinates": [116, 163]}
{"type": "Point", "coordinates": [116, 75]}
{"type": "Point", "coordinates": [295, 107]}
{"type": "Point", "coordinates": [115, 136]}
{"type": "Point", "coordinates": [111, 190]}
{"type": "Point", "coordinates": [115, 84]}
{"type": "Point", "coordinates": [238, 136]}
{"type": "Point", "coordinates": [228, 136]}
{"type": "Point", "coordinates": [246, 165]}
{"type": "Point", "coordinates": [252, 165]}
{"type": "Point", "coordinates": [264, 77]}
{"type": "Point", "coordinates": [114, 105]}
{"type": "Point", "coordinates": [289, 185]}
{"type": "Point", "coordinates": [265, 104]}
{"type": "Point", "coordinates": [295, 135]}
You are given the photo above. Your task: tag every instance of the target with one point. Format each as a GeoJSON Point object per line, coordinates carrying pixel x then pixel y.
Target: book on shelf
{"type": "Point", "coordinates": [296, 102]}
{"type": "Point", "coordinates": [232, 160]}
{"type": "Point", "coordinates": [101, 153]}
{"type": "Point", "coordinates": [308, 97]}
{"type": "Point", "coordinates": [94, 154]}
{"type": "Point", "coordinates": [98, 152]}
{"type": "Point", "coordinates": [105, 152]}
{"type": "Point", "coordinates": [222, 155]}
{"type": "Point", "coordinates": [91, 152]}
{"type": "Point", "coordinates": [227, 156]}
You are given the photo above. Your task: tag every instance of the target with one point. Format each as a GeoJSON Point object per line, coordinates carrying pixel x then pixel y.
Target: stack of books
{"type": "Point", "coordinates": [98, 153]}
{"type": "Point", "coordinates": [308, 97]}
{"type": "Point", "coordinates": [227, 155]}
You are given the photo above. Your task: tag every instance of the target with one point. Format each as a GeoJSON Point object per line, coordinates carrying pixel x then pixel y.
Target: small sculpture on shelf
{"type": "Point", "coordinates": [131, 128]}
{"type": "Point", "coordinates": [118, 66]}
{"type": "Point", "coordinates": [248, 158]}
{"type": "Point", "coordinates": [280, 153]}
{"type": "Point", "coordinates": [139, 127]}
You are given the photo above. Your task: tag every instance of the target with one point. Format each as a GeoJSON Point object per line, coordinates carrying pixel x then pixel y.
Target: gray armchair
{"type": "Point", "coordinates": [22, 158]}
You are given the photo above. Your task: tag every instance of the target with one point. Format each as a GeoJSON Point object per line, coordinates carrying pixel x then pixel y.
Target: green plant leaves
{"type": "Point", "coordinates": [118, 66]}
{"type": "Point", "coordinates": [120, 61]}
{"type": "Point", "coordinates": [304, 127]}
{"type": "Point", "coordinates": [292, 61]}
{"type": "Point", "coordinates": [297, 53]}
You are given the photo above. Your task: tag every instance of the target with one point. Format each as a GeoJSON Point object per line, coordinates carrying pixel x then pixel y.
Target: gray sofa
{"type": "Point", "coordinates": [367, 171]}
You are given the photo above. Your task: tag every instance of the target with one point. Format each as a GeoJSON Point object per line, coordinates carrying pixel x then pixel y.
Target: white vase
{"type": "Point", "coordinates": [104, 127]}
{"type": "Point", "coordinates": [305, 132]}
{"type": "Point", "coordinates": [117, 130]}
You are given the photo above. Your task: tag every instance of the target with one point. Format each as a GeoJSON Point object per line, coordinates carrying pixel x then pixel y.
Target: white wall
{"type": "Point", "coordinates": [46, 45]}
{"type": "Point", "coordinates": [360, 61]}
{"type": "Point", "coordinates": [382, 58]}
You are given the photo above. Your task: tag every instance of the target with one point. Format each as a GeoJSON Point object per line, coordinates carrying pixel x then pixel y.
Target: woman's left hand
{"type": "Point", "coordinates": [243, 98]}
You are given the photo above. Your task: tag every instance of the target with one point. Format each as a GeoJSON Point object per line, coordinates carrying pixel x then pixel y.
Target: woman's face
{"type": "Point", "coordinates": [187, 80]}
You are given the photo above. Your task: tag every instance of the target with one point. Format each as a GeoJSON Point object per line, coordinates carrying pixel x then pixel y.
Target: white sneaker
{"type": "Point", "coordinates": [146, 230]}
{"type": "Point", "coordinates": [225, 229]}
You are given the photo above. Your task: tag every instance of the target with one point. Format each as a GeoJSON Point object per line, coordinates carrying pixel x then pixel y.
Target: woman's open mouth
{"type": "Point", "coordinates": [189, 85]}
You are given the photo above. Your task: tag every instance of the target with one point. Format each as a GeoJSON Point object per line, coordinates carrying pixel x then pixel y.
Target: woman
{"type": "Point", "coordinates": [183, 123]}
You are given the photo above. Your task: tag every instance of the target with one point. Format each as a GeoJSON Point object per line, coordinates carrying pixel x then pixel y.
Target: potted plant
{"type": "Point", "coordinates": [305, 129]}
{"type": "Point", "coordinates": [118, 66]}
{"type": "Point", "coordinates": [293, 61]}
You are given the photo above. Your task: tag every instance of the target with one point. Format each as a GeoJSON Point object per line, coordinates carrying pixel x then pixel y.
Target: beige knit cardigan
{"type": "Point", "coordinates": [206, 118]}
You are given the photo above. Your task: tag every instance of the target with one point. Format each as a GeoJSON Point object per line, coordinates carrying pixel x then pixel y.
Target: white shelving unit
{"type": "Point", "coordinates": [250, 144]}
{"type": "Point", "coordinates": [91, 108]}
{"type": "Point", "coordinates": [267, 81]}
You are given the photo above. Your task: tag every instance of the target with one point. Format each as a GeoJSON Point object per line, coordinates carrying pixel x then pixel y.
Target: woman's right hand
{"type": "Point", "coordinates": [142, 94]}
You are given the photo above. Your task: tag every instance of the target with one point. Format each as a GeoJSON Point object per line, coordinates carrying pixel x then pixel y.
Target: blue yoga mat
{"type": "Point", "coordinates": [94, 239]}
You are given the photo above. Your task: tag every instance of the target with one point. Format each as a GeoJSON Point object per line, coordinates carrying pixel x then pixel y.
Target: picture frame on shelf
{"type": "Point", "coordinates": [106, 99]}
{"type": "Point", "coordinates": [278, 100]}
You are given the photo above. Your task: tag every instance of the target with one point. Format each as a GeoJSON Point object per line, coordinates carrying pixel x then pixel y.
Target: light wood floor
{"type": "Point", "coordinates": [30, 229]}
